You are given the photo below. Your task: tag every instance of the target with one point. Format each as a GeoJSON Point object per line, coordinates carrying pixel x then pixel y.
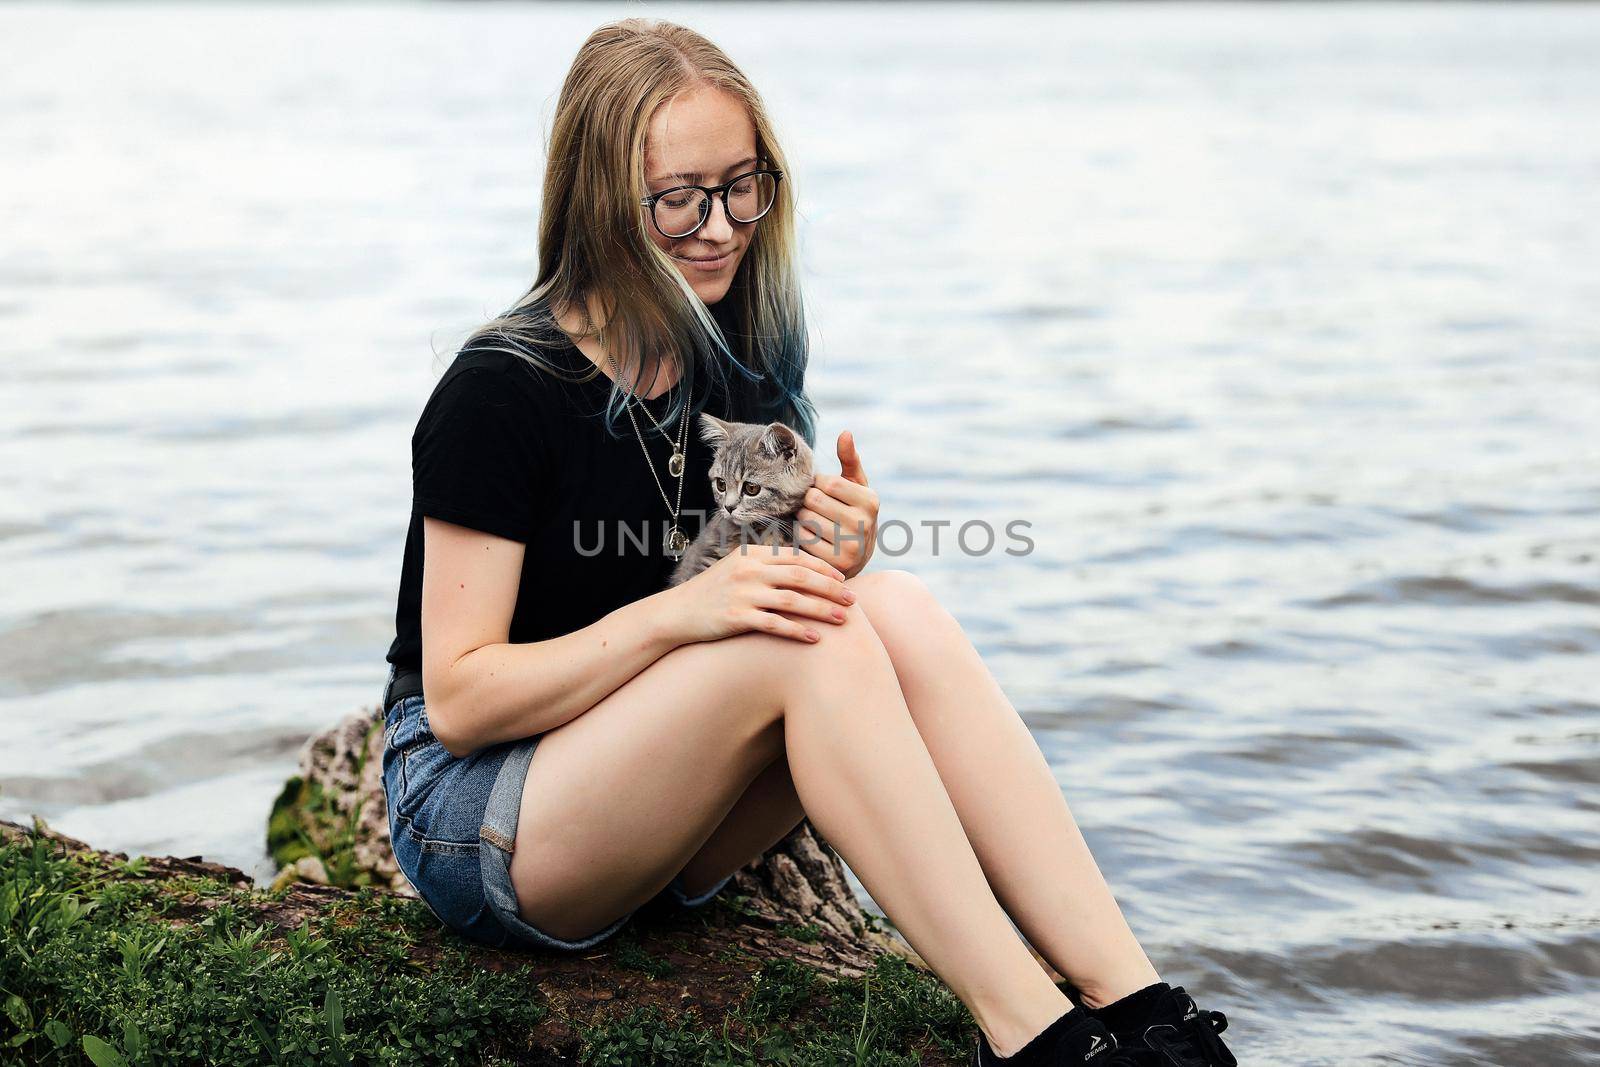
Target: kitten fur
{"type": "Point", "coordinates": [770, 458]}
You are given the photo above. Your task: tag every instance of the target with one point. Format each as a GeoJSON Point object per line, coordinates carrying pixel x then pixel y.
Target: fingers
{"type": "Point", "coordinates": [850, 459]}
{"type": "Point", "coordinates": [843, 489]}
{"type": "Point", "coordinates": [830, 523]}
{"type": "Point", "coordinates": [818, 585]}
{"type": "Point", "coordinates": [782, 555]}
{"type": "Point", "coordinates": [769, 623]}
{"type": "Point", "coordinates": [795, 602]}
{"type": "Point", "coordinates": [813, 529]}
{"type": "Point", "coordinates": [788, 579]}
{"type": "Point", "coordinates": [830, 507]}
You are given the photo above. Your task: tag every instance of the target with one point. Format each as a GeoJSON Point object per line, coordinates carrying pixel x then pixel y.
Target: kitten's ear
{"type": "Point", "coordinates": [780, 442]}
{"type": "Point", "coordinates": [712, 429]}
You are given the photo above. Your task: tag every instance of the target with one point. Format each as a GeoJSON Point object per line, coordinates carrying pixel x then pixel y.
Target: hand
{"type": "Point", "coordinates": [749, 587]}
{"type": "Point", "coordinates": [839, 522]}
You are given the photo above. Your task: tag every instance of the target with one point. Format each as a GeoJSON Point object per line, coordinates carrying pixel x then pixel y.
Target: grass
{"type": "Point", "coordinates": [627, 952]}
{"type": "Point", "coordinates": [101, 964]}
{"type": "Point", "coordinates": [101, 967]}
{"type": "Point", "coordinates": [810, 932]}
{"type": "Point", "coordinates": [794, 1016]}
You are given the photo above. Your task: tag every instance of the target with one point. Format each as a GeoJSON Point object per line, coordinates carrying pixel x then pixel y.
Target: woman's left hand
{"type": "Point", "coordinates": [839, 521]}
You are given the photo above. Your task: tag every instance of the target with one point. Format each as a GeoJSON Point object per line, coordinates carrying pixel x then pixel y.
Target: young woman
{"type": "Point", "coordinates": [589, 738]}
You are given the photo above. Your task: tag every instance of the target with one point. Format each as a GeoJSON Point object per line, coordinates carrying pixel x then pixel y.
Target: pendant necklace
{"type": "Point", "coordinates": [677, 540]}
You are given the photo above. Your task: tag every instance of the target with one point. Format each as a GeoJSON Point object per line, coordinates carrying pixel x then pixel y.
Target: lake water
{"type": "Point", "coordinates": [1277, 324]}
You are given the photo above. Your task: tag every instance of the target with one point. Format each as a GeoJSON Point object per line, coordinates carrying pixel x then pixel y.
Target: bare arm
{"type": "Point", "coordinates": [481, 689]}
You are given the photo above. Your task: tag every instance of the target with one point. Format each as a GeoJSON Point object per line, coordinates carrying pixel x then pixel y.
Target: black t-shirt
{"type": "Point", "coordinates": [505, 447]}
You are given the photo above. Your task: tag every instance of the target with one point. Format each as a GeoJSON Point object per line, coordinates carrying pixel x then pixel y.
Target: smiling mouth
{"type": "Point", "coordinates": [706, 259]}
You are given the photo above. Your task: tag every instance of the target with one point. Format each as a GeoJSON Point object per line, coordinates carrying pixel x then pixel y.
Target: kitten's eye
{"type": "Point", "coordinates": [719, 485]}
{"type": "Point", "coordinates": [752, 489]}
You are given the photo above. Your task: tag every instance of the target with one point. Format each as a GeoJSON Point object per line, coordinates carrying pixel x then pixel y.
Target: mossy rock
{"type": "Point", "coordinates": [330, 822]}
{"type": "Point", "coordinates": [161, 960]}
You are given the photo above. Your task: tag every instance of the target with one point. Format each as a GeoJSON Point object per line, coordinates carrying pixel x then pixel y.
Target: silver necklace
{"type": "Point", "coordinates": [677, 540]}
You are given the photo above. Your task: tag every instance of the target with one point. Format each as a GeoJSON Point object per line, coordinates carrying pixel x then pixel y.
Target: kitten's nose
{"type": "Point", "coordinates": [729, 507]}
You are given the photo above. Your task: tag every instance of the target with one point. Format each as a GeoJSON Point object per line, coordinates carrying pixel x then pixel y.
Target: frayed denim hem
{"type": "Point", "coordinates": [675, 888]}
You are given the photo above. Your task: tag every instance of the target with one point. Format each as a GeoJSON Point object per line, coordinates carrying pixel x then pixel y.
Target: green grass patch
{"type": "Point", "coordinates": [627, 952]}
{"type": "Point", "coordinates": [810, 932]}
{"type": "Point", "coordinates": [91, 971]}
{"type": "Point", "coordinates": [103, 967]}
{"type": "Point", "coordinates": [795, 1016]}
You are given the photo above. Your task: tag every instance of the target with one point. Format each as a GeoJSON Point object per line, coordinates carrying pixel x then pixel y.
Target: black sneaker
{"type": "Point", "coordinates": [1075, 1038]}
{"type": "Point", "coordinates": [1180, 1034]}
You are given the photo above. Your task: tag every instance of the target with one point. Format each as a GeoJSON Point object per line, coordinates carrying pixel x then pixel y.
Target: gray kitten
{"type": "Point", "coordinates": [759, 478]}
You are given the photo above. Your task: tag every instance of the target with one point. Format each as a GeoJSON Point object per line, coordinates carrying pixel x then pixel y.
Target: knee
{"type": "Point", "coordinates": [775, 672]}
{"type": "Point", "coordinates": [773, 661]}
{"type": "Point", "coordinates": [890, 593]}
{"type": "Point", "coordinates": [842, 648]}
{"type": "Point", "coordinates": [854, 634]}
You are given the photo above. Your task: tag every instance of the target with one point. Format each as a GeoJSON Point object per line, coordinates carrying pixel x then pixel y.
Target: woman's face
{"type": "Point", "coordinates": [703, 136]}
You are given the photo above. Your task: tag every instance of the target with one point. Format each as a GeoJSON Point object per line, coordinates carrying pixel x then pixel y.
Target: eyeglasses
{"type": "Point", "coordinates": [683, 209]}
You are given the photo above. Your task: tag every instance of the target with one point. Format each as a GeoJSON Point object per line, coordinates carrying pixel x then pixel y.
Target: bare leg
{"type": "Point", "coordinates": [766, 813]}
{"type": "Point", "coordinates": [630, 792]}
{"type": "Point", "coordinates": [1009, 802]}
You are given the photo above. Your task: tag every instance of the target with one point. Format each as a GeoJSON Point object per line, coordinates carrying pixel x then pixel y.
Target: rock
{"type": "Point", "coordinates": [311, 869]}
{"type": "Point", "coordinates": [334, 810]}
{"type": "Point", "coordinates": [332, 820]}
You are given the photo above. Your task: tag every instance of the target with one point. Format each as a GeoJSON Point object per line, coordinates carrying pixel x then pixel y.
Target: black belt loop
{"type": "Point", "coordinates": [406, 683]}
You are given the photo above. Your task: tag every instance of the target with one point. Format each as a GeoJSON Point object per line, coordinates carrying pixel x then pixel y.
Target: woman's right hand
{"type": "Point", "coordinates": [745, 591]}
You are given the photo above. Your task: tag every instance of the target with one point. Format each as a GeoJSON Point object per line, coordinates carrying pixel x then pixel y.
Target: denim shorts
{"type": "Point", "coordinates": [453, 824]}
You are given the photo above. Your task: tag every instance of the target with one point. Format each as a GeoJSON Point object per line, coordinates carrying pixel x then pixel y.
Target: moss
{"type": "Point", "coordinates": [107, 963]}
{"type": "Point", "coordinates": [285, 828]}
{"type": "Point", "coordinates": [809, 933]}
{"type": "Point", "coordinates": [630, 954]}
{"type": "Point", "coordinates": [738, 903]}
{"type": "Point", "coordinates": [894, 1016]}
{"type": "Point", "coordinates": [187, 885]}
{"type": "Point", "coordinates": [93, 967]}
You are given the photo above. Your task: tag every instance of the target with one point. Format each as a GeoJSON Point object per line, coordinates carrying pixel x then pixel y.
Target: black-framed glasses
{"type": "Point", "coordinates": [683, 209]}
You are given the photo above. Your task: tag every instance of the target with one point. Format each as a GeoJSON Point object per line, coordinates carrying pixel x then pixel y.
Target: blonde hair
{"type": "Point", "coordinates": [592, 237]}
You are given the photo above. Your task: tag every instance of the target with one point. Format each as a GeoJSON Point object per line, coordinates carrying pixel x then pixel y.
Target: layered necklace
{"type": "Point", "coordinates": [677, 541]}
